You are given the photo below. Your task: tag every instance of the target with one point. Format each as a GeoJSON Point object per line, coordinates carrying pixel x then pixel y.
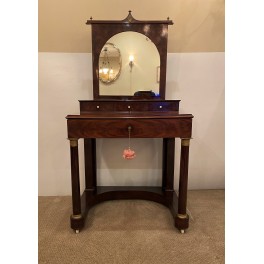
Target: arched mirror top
{"type": "Point", "coordinates": [156, 31]}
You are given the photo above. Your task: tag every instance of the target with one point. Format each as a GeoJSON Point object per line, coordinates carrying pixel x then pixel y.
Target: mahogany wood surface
{"type": "Point", "coordinates": [107, 193]}
{"type": "Point", "coordinates": [129, 19]}
{"type": "Point", "coordinates": [141, 128]}
{"type": "Point", "coordinates": [145, 124]}
{"type": "Point", "coordinates": [76, 202]}
{"type": "Point", "coordinates": [110, 117]}
{"type": "Point", "coordinates": [90, 163]}
{"type": "Point", "coordinates": [97, 106]}
{"type": "Point", "coordinates": [183, 181]}
{"type": "Point", "coordinates": [168, 170]}
{"type": "Point", "coordinates": [103, 30]}
{"type": "Point", "coordinates": [130, 115]}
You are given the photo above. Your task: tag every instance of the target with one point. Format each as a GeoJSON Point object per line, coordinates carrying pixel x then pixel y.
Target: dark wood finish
{"type": "Point", "coordinates": [103, 30]}
{"type": "Point", "coordinates": [141, 128]}
{"type": "Point", "coordinates": [130, 115]}
{"type": "Point", "coordinates": [182, 218]}
{"type": "Point", "coordinates": [168, 167]}
{"type": "Point", "coordinates": [107, 193]}
{"type": "Point", "coordinates": [110, 117]}
{"type": "Point", "coordinates": [131, 105]}
{"type": "Point", "coordinates": [153, 124]}
{"type": "Point", "coordinates": [77, 220]}
{"type": "Point", "coordinates": [76, 200]}
{"type": "Point", "coordinates": [128, 20]}
{"type": "Point", "coordinates": [164, 163]}
{"type": "Point", "coordinates": [90, 163]}
{"type": "Point", "coordinates": [183, 179]}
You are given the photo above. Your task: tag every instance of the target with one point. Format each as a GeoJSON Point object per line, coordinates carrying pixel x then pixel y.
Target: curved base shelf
{"type": "Point", "coordinates": [91, 197]}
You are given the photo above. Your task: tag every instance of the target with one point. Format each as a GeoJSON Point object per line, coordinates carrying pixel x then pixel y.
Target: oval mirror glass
{"type": "Point", "coordinates": [139, 69]}
{"type": "Point", "coordinates": [109, 63]}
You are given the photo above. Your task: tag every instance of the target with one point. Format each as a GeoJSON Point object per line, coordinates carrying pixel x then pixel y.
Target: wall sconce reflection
{"type": "Point", "coordinates": [131, 62]}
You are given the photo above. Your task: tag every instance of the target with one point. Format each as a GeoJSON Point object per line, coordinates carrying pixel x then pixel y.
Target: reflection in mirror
{"type": "Point", "coordinates": [109, 63]}
{"type": "Point", "coordinates": [139, 69]}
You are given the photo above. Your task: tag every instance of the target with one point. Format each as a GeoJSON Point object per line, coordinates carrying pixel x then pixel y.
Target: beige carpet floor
{"type": "Point", "coordinates": [133, 231]}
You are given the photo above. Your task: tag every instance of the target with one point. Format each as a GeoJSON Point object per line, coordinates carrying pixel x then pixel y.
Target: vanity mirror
{"type": "Point", "coordinates": [139, 68]}
{"type": "Point", "coordinates": [143, 49]}
{"type": "Point", "coordinates": [129, 81]}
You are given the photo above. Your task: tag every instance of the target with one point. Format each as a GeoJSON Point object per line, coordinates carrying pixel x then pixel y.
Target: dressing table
{"type": "Point", "coordinates": [129, 110]}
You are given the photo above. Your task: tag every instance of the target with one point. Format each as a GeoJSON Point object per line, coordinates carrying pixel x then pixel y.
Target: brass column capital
{"type": "Point", "coordinates": [185, 142]}
{"type": "Point", "coordinates": [73, 142]}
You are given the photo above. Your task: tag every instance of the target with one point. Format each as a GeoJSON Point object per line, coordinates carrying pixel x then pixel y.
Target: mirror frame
{"type": "Point", "coordinates": [103, 30]}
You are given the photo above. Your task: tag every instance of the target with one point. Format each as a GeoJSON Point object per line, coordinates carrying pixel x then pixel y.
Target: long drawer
{"type": "Point", "coordinates": [140, 128]}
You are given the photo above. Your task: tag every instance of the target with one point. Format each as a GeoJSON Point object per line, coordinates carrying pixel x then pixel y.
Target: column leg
{"type": "Point", "coordinates": [164, 163]}
{"type": "Point", "coordinates": [76, 218]}
{"type": "Point", "coordinates": [182, 218]}
{"type": "Point", "coordinates": [168, 168]}
{"type": "Point", "coordinates": [90, 169]}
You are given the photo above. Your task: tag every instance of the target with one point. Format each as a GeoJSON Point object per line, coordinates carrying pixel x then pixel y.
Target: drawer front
{"type": "Point", "coordinates": [96, 107]}
{"type": "Point", "coordinates": [131, 106]}
{"type": "Point", "coordinates": [164, 106]}
{"type": "Point", "coordinates": [147, 106]}
{"type": "Point", "coordinates": [140, 128]}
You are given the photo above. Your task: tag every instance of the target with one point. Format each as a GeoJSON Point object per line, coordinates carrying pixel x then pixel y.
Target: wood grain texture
{"type": "Point", "coordinates": [103, 30]}
{"type": "Point", "coordinates": [141, 128]}
{"type": "Point", "coordinates": [75, 180]}
{"type": "Point", "coordinates": [90, 163]}
{"type": "Point", "coordinates": [132, 105]}
{"type": "Point", "coordinates": [144, 124]}
{"type": "Point", "coordinates": [183, 181]}
{"type": "Point", "coordinates": [135, 118]}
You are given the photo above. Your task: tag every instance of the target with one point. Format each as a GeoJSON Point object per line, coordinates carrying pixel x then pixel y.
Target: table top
{"type": "Point", "coordinates": [128, 115]}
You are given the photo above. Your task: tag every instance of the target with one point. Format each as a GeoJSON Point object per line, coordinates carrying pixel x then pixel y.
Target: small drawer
{"type": "Point", "coordinates": [165, 106]}
{"type": "Point", "coordinates": [133, 106]}
{"type": "Point", "coordinates": [96, 106]}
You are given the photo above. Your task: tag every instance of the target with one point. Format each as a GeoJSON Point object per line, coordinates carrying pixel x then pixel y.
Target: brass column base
{"type": "Point", "coordinates": [182, 221]}
{"type": "Point", "coordinates": [77, 222]}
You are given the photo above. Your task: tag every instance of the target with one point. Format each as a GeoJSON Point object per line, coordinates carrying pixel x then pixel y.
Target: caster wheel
{"type": "Point", "coordinates": [182, 231]}
{"type": "Point", "coordinates": [77, 231]}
